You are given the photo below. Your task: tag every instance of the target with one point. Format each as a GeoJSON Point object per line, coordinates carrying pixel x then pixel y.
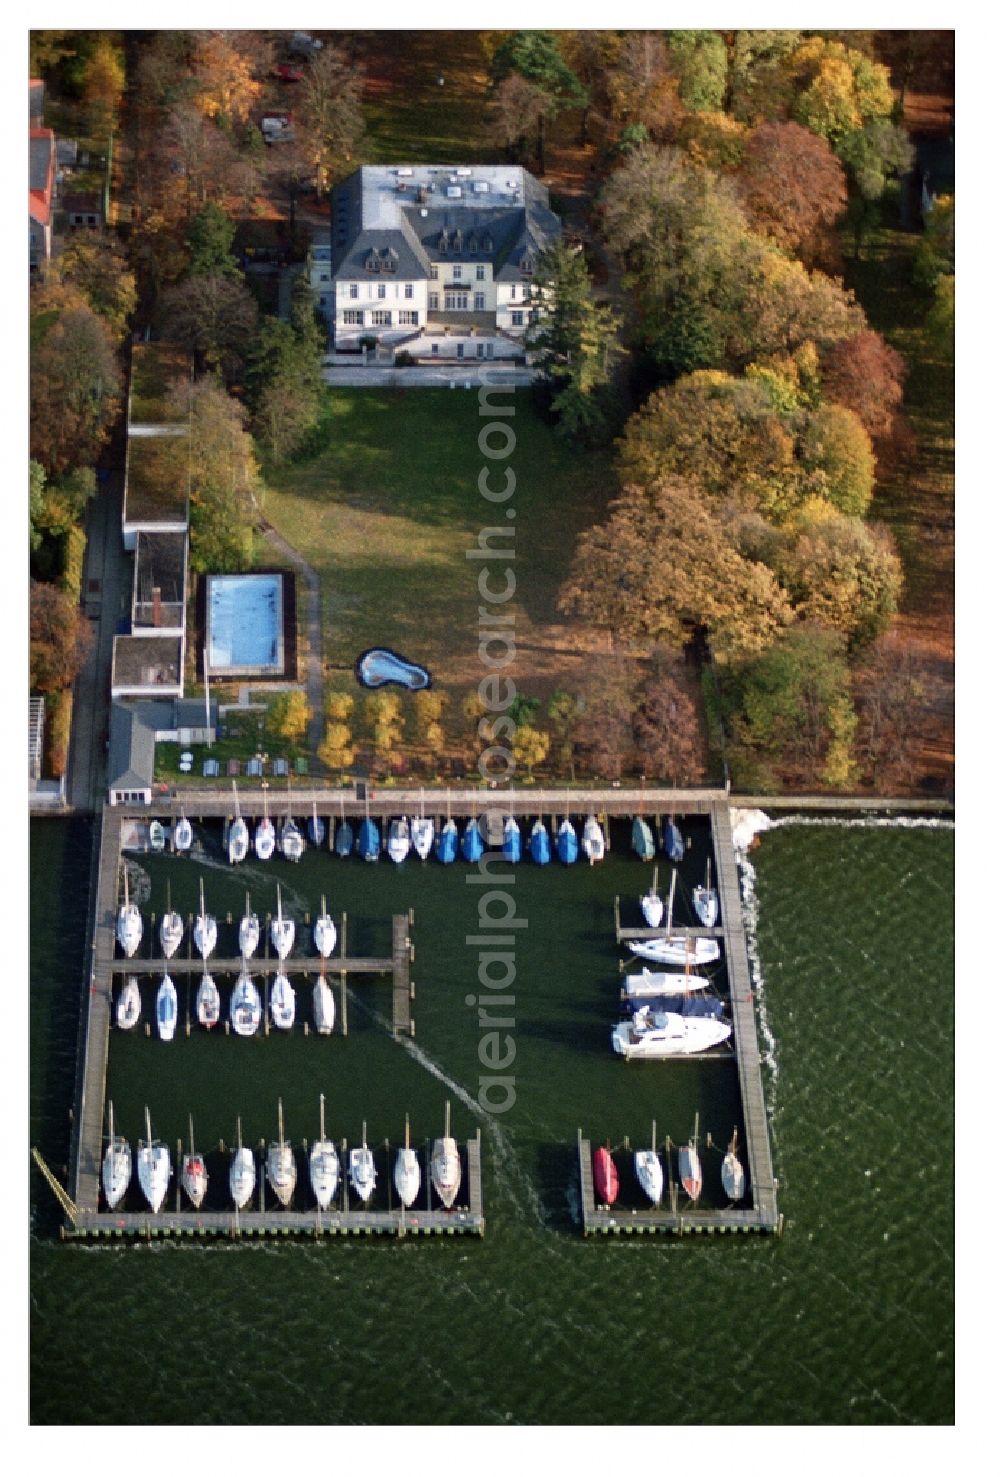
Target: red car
{"type": "Point", "coordinates": [285, 72]}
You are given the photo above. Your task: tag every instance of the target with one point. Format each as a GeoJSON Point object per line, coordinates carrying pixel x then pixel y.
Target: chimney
{"type": "Point", "coordinates": [156, 605]}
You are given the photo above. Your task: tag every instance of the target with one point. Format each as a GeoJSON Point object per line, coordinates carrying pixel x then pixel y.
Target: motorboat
{"type": "Point", "coordinates": [343, 842]}
{"type": "Point", "coordinates": [406, 1174]}
{"type": "Point", "coordinates": [652, 906]}
{"type": "Point", "coordinates": [689, 1169]}
{"type": "Point", "coordinates": [171, 930]}
{"type": "Point", "coordinates": [238, 836]}
{"type": "Point", "coordinates": [605, 1176]}
{"type": "Point", "coordinates": [264, 837]}
{"type": "Point", "coordinates": [446, 1166]}
{"type": "Point", "coordinates": [447, 842]}
{"type": "Point", "coordinates": [567, 844]}
{"type": "Point", "coordinates": [153, 1163]}
{"type": "Point", "coordinates": [673, 841]}
{"type": "Point", "coordinates": [206, 930]}
{"type": "Point", "coordinates": [207, 1003]}
{"type": "Point", "coordinates": [194, 1172]}
{"type": "Point", "coordinates": [653, 1035]}
{"type": "Point", "coordinates": [324, 1007]}
{"type": "Point", "coordinates": [157, 836]}
{"type": "Point", "coordinates": [129, 1004]}
{"type": "Point", "coordinates": [249, 936]}
{"type": "Point", "coordinates": [649, 1171]}
{"type": "Point", "coordinates": [129, 929]}
{"type": "Point", "coordinates": [324, 932]}
{"type": "Point", "coordinates": [242, 1171]}
{"type": "Point", "coordinates": [422, 832]}
{"type": "Point", "coordinates": [398, 843]}
{"type": "Point", "coordinates": [116, 1166]}
{"type": "Point", "coordinates": [183, 834]}
{"type": "Point", "coordinates": [733, 1179]}
{"type": "Point", "coordinates": [538, 844]}
{"type": "Point", "coordinates": [245, 1007]}
{"type": "Point", "coordinates": [282, 1003]}
{"type": "Point", "coordinates": [316, 828]}
{"type": "Point", "coordinates": [592, 841]}
{"type": "Point", "coordinates": [369, 841]}
{"type": "Point", "coordinates": [292, 844]}
{"type": "Point", "coordinates": [361, 1168]}
{"type": "Point", "coordinates": [651, 984]}
{"type": "Point", "coordinates": [473, 845]}
{"type": "Point", "coordinates": [511, 845]}
{"type": "Point", "coordinates": [677, 949]}
{"type": "Point", "coordinates": [281, 1170]}
{"type": "Point", "coordinates": [324, 1165]}
{"type": "Point", "coordinates": [642, 839]}
{"type": "Point", "coordinates": [166, 1009]}
{"type": "Point", "coordinates": [282, 932]}
{"type": "Point", "coordinates": [706, 900]}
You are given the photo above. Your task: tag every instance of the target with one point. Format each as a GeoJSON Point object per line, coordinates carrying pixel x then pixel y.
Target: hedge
{"type": "Point", "coordinates": [58, 718]}
{"type": "Point", "coordinates": [74, 550]}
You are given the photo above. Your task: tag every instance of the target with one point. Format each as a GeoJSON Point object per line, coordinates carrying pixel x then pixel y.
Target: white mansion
{"type": "Point", "coordinates": [438, 261]}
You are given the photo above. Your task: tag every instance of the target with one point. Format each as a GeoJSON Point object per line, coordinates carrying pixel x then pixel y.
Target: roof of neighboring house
{"type": "Point", "coordinates": [41, 174]}
{"type": "Point", "coordinates": [146, 661]}
{"type": "Point", "coordinates": [159, 565]}
{"type": "Point", "coordinates": [90, 201]}
{"type": "Point", "coordinates": [133, 731]}
{"type": "Point", "coordinates": [156, 473]}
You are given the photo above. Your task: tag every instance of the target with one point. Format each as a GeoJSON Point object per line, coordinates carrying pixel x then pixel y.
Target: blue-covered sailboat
{"type": "Point", "coordinates": [673, 842]}
{"type": "Point", "coordinates": [472, 841]}
{"type": "Point", "coordinates": [541, 851]}
{"type": "Point", "coordinates": [369, 841]}
{"type": "Point", "coordinates": [511, 847]}
{"type": "Point", "coordinates": [343, 842]}
{"type": "Point", "coordinates": [567, 845]}
{"type": "Point", "coordinates": [642, 840]}
{"type": "Point", "coordinates": [447, 842]}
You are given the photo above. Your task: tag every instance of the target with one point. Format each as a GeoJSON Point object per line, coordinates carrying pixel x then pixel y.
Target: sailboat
{"type": "Point", "coordinates": [183, 834]}
{"type": "Point", "coordinates": [282, 1003]}
{"type": "Point", "coordinates": [473, 845]}
{"type": "Point", "coordinates": [369, 841]}
{"type": "Point", "coordinates": [605, 1176]}
{"type": "Point", "coordinates": [652, 904]}
{"type": "Point", "coordinates": [398, 843]}
{"type": "Point", "coordinates": [642, 839]}
{"type": "Point", "coordinates": [281, 1171]}
{"type": "Point", "coordinates": [324, 1007]}
{"type": "Point", "coordinates": [207, 1004]}
{"type": "Point", "coordinates": [171, 930]}
{"type": "Point", "coordinates": [422, 832]}
{"type": "Point", "coordinates": [166, 1009]}
{"type": "Point", "coordinates": [129, 1004]}
{"type": "Point", "coordinates": [567, 845]}
{"type": "Point", "coordinates": [673, 841]}
{"type": "Point", "coordinates": [733, 1180]}
{"type": "Point", "coordinates": [593, 842]}
{"type": "Point", "coordinates": [511, 845]}
{"type": "Point", "coordinates": [157, 836]}
{"type": "Point", "coordinates": [194, 1174]}
{"type": "Point", "coordinates": [324, 1166]}
{"type": "Point", "coordinates": [249, 931]}
{"type": "Point", "coordinates": [263, 841]}
{"type": "Point", "coordinates": [538, 845]}
{"type": "Point", "coordinates": [676, 949]}
{"type": "Point", "coordinates": [282, 932]}
{"type": "Point", "coordinates": [324, 932]}
{"type": "Point", "coordinates": [116, 1166]}
{"type": "Point", "coordinates": [242, 1171]}
{"type": "Point", "coordinates": [316, 827]}
{"type": "Point", "coordinates": [153, 1162]}
{"type": "Point", "coordinates": [446, 1166]}
{"type": "Point", "coordinates": [407, 1172]}
{"type": "Point", "coordinates": [655, 1036]}
{"type": "Point", "coordinates": [205, 928]}
{"type": "Point", "coordinates": [292, 844]}
{"type": "Point", "coordinates": [689, 1165]}
{"type": "Point", "coordinates": [245, 1007]}
{"type": "Point", "coordinates": [361, 1168]}
{"type": "Point", "coordinates": [343, 842]}
{"type": "Point", "coordinates": [706, 899]}
{"type": "Point", "coordinates": [649, 1171]}
{"type": "Point", "coordinates": [129, 928]}
{"type": "Point", "coordinates": [238, 839]}
{"type": "Point", "coordinates": [651, 984]}
{"type": "Point", "coordinates": [447, 842]}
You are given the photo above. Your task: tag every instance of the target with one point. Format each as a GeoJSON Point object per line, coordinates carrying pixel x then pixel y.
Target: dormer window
{"type": "Point", "coordinates": [390, 259]}
{"type": "Point", "coordinates": [457, 241]}
{"type": "Point", "coordinates": [487, 241]}
{"type": "Point", "coordinates": [443, 243]}
{"type": "Point", "coordinates": [473, 246]}
{"type": "Point", "coordinates": [373, 262]}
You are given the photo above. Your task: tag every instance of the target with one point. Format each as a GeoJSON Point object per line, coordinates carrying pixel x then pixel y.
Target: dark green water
{"type": "Point", "coordinates": [847, 1319]}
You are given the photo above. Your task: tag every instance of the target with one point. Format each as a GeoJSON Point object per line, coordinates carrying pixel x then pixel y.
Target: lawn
{"type": "Point", "coordinates": [412, 118]}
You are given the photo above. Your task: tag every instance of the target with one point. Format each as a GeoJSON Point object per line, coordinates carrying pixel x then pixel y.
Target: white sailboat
{"type": "Point", "coordinates": [282, 1003]}
{"type": "Point", "coordinates": [649, 1171]}
{"type": "Point", "coordinates": [677, 948]}
{"type": "Point", "coordinates": [324, 1007]}
{"type": "Point", "coordinates": [446, 1166]}
{"type": "Point", "coordinates": [245, 1007]}
{"type": "Point", "coordinates": [249, 935]}
{"type": "Point", "coordinates": [282, 932]}
{"type": "Point", "coordinates": [157, 836]}
{"type": "Point", "coordinates": [206, 929]}
{"type": "Point", "coordinates": [129, 1004]}
{"type": "Point", "coordinates": [129, 928]}
{"type": "Point", "coordinates": [238, 839]}
{"type": "Point", "coordinates": [242, 1171]}
{"type": "Point", "coordinates": [324, 932]}
{"type": "Point", "coordinates": [153, 1162]}
{"type": "Point", "coordinates": [263, 841]}
{"type": "Point", "coordinates": [194, 1173]}
{"type": "Point", "coordinates": [317, 828]}
{"type": "Point", "coordinates": [592, 840]}
{"type": "Point", "coordinates": [662, 1034]}
{"type": "Point", "coordinates": [407, 1172]}
{"type": "Point", "coordinates": [281, 1169]}
{"type": "Point", "coordinates": [116, 1166]}
{"type": "Point", "coordinates": [166, 1009]}
{"type": "Point", "coordinates": [733, 1178]}
{"type": "Point", "coordinates": [292, 844]}
{"type": "Point", "coordinates": [324, 1165]}
{"type": "Point", "coordinates": [208, 1004]}
{"type": "Point", "coordinates": [651, 984]}
{"type": "Point", "coordinates": [706, 900]}
{"type": "Point", "coordinates": [171, 930]}
{"type": "Point", "coordinates": [361, 1168]}
{"type": "Point", "coordinates": [398, 843]}
{"type": "Point", "coordinates": [652, 904]}
{"type": "Point", "coordinates": [422, 832]}
{"type": "Point", "coordinates": [183, 834]}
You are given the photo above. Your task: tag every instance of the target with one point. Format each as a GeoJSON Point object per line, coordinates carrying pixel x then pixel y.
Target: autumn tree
{"type": "Point", "coordinates": [75, 387]}
{"type": "Point", "coordinates": [94, 263]}
{"type": "Point", "coordinates": [288, 715]}
{"type": "Point", "coordinates": [36, 502]}
{"type": "Point", "coordinates": [940, 320]}
{"type": "Point", "coordinates": [215, 318]}
{"type": "Point", "coordinates": [572, 341]}
{"type": "Point", "coordinates": [761, 85]}
{"type": "Point", "coordinates": [384, 712]}
{"type": "Point", "coordinates": [863, 373]}
{"type": "Point", "coordinates": [529, 746]}
{"type": "Point", "coordinates": [792, 186]}
{"type": "Point", "coordinates": [890, 688]}
{"type": "Point", "coordinates": [336, 750]}
{"type": "Point", "coordinates": [196, 154]}
{"type": "Point", "coordinates": [518, 110]}
{"type": "Point", "coordinates": [60, 638]}
{"type": "Point", "coordinates": [217, 461]}
{"type": "Point", "coordinates": [339, 706]}
{"type": "Point", "coordinates": [536, 56]}
{"type": "Point", "coordinates": [935, 253]}
{"type": "Point", "coordinates": [103, 84]}
{"type": "Point", "coordinates": [224, 70]}
{"type": "Point", "coordinates": [284, 378]}
{"type": "Point", "coordinates": [713, 141]}
{"type": "Point", "coordinates": [841, 573]}
{"type": "Point", "coordinates": [665, 723]}
{"type": "Point", "coordinates": [699, 60]}
{"type": "Point", "coordinates": [328, 115]}
{"type": "Point", "coordinates": [602, 721]}
{"type": "Point", "coordinates": [428, 709]}
{"type": "Point", "coordinates": [562, 712]}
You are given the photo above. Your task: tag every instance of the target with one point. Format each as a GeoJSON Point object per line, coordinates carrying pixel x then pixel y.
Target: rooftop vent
{"type": "Point", "coordinates": [463, 173]}
{"type": "Point", "coordinates": [481, 186]}
{"type": "Point", "coordinates": [404, 170]}
{"type": "Point", "coordinates": [454, 192]}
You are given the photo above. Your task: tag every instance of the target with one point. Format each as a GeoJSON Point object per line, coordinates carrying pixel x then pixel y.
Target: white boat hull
{"type": "Point", "coordinates": [362, 1172]}
{"type": "Point", "coordinates": [208, 1005]}
{"type": "Point", "coordinates": [283, 936]}
{"type": "Point", "coordinates": [249, 934]}
{"type": "Point", "coordinates": [238, 841]}
{"type": "Point", "coordinates": [651, 984]}
{"type": "Point", "coordinates": [677, 950]}
{"type": "Point", "coordinates": [422, 835]}
{"type": "Point", "coordinates": [183, 835]}
{"type": "Point", "coordinates": [652, 909]}
{"type": "Point", "coordinates": [325, 936]}
{"type": "Point", "coordinates": [263, 841]}
{"type": "Point", "coordinates": [242, 1177]}
{"type": "Point", "coordinates": [129, 1004]}
{"type": "Point", "coordinates": [129, 929]}
{"type": "Point", "coordinates": [194, 1179]}
{"type": "Point", "coordinates": [154, 1174]}
{"type": "Point", "coordinates": [245, 1007]}
{"type": "Point", "coordinates": [407, 1176]}
{"type": "Point", "coordinates": [166, 1009]}
{"type": "Point", "coordinates": [206, 934]}
{"type": "Point", "coordinates": [446, 1170]}
{"type": "Point", "coordinates": [171, 933]}
{"type": "Point", "coordinates": [398, 844]}
{"type": "Point", "coordinates": [116, 1172]}
{"type": "Point", "coordinates": [649, 1173]}
{"type": "Point", "coordinates": [665, 1035]}
{"type": "Point", "coordinates": [324, 1007]}
{"type": "Point", "coordinates": [592, 842]}
{"type": "Point", "coordinates": [733, 1181]}
{"type": "Point", "coordinates": [282, 1003]}
{"type": "Point", "coordinates": [281, 1172]}
{"type": "Point", "coordinates": [324, 1172]}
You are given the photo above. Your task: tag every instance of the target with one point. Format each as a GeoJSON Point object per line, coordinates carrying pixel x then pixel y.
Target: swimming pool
{"type": "Point", "coordinates": [244, 621]}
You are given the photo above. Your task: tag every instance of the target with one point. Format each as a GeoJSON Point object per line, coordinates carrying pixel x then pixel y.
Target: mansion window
{"type": "Point", "coordinates": [408, 289]}
{"type": "Point", "coordinates": [456, 273]}
{"type": "Point", "coordinates": [480, 301]}
{"type": "Point", "coordinates": [355, 316]}
{"type": "Point", "coordinates": [517, 318]}
{"type": "Point", "coordinates": [381, 318]}
{"type": "Point", "coordinates": [408, 315]}
{"type": "Point", "coordinates": [381, 289]}
{"type": "Point", "coordinates": [434, 272]}
{"type": "Point", "coordinates": [432, 302]}
{"type": "Point", "coordinates": [457, 301]}
{"type": "Point", "coordinates": [353, 290]}
{"type": "Point", "coordinates": [480, 274]}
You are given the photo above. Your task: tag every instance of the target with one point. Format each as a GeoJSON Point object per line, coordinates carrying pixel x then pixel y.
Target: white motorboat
{"type": "Point", "coordinates": [324, 932]}
{"type": "Point", "coordinates": [281, 1169]}
{"type": "Point", "coordinates": [245, 1007]}
{"type": "Point", "coordinates": [206, 929]}
{"type": "Point", "coordinates": [183, 834]}
{"type": "Point", "coordinates": [263, 841]}
{"type": "Point", "coordinates": [171, 930]}
{"type": "Point", "coordinates": [324, 1007]}
{"type": "Point", "coordinates": [316, 828]}
{"type": "Point", "coordinates": [292, 844]}
{"type": "Point", "coordinates": [324, 1165]}
{"type": "Point", "coordinates": [361, 1168]}
{"type": "Point", "coordinates": [422, 832]}
{"type": "Point", "coordinates": [652, 907]}
{"type": "Point", "coordinates": [677, 949]}
{"type": "Point", "coordinates": [166, 1009]}
{"type": "Point", "coordinates": [398, 843]}
{"type": "Point", "coordinates": [153, 1162]}
{"type": "Point", "coordinates": [249, 931]}
{"type": "Point", "coordinates": [651, 984]}
{"type": "Point", "coordinates": [242, 1171]}
{"type": "Point", "coordinates": [129, 1004]}
{"type": "Point", "coordinates": [116, 1166]}
{"type": "Point", "coordinates": [282, 1003]}
{"type": "Point", "coordinates": [157, 836]}
{"type": "Point", "coordinates": [238, 836]}
{"type": "Point", "coordinates": [706, 900]}
{"type": "Point", "coordinates": [407, 1172]}
{"type": "Point", "coordinates": [656, 1035]}
{"type": "Point", "coordinates": [649, 1171]}
{"type": "Point", "coordinates": [194, 1173]}
{"type": "Point", "coordinates": [446, 1166]}
{"type": "Point", "coordinates": [282, 932]}
{"type": "Point", "coordinates": [592, 840]}
{"type": "Point", "coordinates": [733, 1178]}
{"type": "Point", "coordinates": [129, 928]}
{"type": "Point", "coordinates": [208, 1004]}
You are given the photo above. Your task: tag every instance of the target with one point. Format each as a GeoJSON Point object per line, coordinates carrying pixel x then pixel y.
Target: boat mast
{"type": "Point", "coordinates": [670, 901]}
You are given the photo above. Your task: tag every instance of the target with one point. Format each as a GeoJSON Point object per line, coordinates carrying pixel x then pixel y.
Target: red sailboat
{"type": "Point", "coordinates": [605, 1176]}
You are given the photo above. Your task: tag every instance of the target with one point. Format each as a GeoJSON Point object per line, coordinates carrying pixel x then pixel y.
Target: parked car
{"type": "Point", "coordinates": [302, 44]}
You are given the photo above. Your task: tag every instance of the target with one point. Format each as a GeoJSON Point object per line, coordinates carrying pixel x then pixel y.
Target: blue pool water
{"type": "Point", "coordinates": [244, 623]}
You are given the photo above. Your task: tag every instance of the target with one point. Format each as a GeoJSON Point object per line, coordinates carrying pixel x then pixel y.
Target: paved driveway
{"type": "Point", "coordinates": [419, 375]}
